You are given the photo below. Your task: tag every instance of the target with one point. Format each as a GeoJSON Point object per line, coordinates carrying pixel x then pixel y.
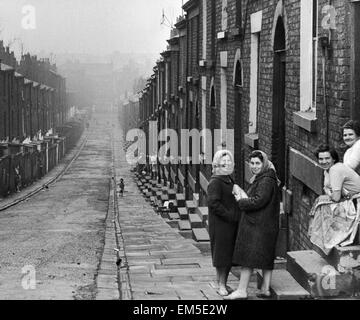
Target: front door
{"type": "Point", "coordinates": [278, 121]}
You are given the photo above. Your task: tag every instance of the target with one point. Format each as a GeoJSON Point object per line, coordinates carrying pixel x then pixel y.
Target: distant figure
{"type": "Point", "coordinates": [121, 186]}
{"type": "Point", "coordinates": [17, 179]}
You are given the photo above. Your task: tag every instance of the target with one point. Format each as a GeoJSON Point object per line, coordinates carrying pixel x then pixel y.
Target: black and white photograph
{"type": "Point", "coordinates": [180, 155]}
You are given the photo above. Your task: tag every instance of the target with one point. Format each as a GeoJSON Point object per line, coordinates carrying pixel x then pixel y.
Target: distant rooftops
{"type": "Point", "coordinates": [5, 67]}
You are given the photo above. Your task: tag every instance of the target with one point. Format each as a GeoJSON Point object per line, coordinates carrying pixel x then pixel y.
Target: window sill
{"type": "Point", "coordinates": [251, 139]}
{"type": "Point", "coordinates": [221, 35]}
{"type": "Point", "coordinates": [306, 120]}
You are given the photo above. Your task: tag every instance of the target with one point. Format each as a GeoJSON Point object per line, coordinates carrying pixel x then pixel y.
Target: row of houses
{"type": "Point", "coordinates": [35, 132]}
{"type": "Point", "coordinates": [33, 96]}
{"type": "Point", "coordinates": [283, 75]}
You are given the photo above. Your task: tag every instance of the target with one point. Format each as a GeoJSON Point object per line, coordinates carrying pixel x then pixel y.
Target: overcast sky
{"type": "Point", "coordinates": [88, 26]}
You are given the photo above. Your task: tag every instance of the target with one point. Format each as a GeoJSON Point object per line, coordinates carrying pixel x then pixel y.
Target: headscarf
{"type": "Point", "coordinates": [267, 164]}
{"type": "Point", "coordinates": [221, 171]}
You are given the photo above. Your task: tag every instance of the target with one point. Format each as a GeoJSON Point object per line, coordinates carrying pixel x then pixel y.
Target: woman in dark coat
{"type": "Point", "coordinates": [259, 226]}
{"type": "Point", "coordinates": [223, 217]}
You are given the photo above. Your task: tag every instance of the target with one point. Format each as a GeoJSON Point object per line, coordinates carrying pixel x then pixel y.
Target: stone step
{"type": "Point", "coordinates": [165, 190]}
{"type": "Point", "coordinates": [184, 225]}
{"type": "Point", "coordinates": [203, 213]}
{"type": "Point", "coordinates": [187, 234]}
{"type": "Point", "coordinates": [183, 213]}
{"type": "Point", "coordinates": [173, 215]}
{"type": "Point", "coordinates": [172, 223]}
{"type": "Point", "coordinates": [190, 206]}
{"type": "Point", "coordinates": [200, 234]}
{"type": "Point", "coordinates": [345, 258]}
{"type": "Point", "coordinates": [283, 286]}
{"type": "Point", "coordinates": [172, 194]}
{"type": "Point", "coordinates": [148, 194]}
{"type": "Point", "coordinates": [180, 198]}
{"type": "Point", "coordinates": [195, 221]}
{"type": "Point", "coordinates": [317, 276]}
{"type": "Point", "coordinates": [164, 197]}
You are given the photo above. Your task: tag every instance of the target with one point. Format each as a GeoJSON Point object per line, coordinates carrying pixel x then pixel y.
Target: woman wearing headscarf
{"type": "Point", "coordinates": [259, 226]}
{"type": "Point", "coordinates": [223, 217]}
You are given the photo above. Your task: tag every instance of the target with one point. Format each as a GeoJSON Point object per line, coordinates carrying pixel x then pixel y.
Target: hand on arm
{"type": "Point", "coordinates": [260, 198]}
{"type": "Point", "coordinates": [335, 196]}
{"type": "Point", "coordinates": [239, 193]}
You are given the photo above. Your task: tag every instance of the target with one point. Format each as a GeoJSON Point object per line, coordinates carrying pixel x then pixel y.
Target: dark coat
{"type": "Point", "coordinates": [259, 225]}
{"type": "Point", "coordinates": [224, 215]}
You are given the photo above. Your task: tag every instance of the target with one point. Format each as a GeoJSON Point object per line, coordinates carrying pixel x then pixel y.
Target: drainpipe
{"type": "Point", "coordinates": [325, 45]}
{"type": "Point", "coordinates": [325, 42]}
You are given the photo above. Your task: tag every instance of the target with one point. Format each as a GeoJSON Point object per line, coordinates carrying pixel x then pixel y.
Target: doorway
{"type": "Point", "coordinates": [278, 108]}
{"type": "Point", "coordinates": [238, 148]}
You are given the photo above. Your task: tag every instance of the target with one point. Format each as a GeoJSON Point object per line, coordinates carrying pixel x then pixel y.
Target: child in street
{"type": "Point", "coordinates": [121, 186]}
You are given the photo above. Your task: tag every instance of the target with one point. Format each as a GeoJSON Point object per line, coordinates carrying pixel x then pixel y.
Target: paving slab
{"type": "Point", "coordinates": [162, 264]}
{"type": "Point", "coordinates": [195, 221]}
{"type": "Point", "coordinates": [284, 287]}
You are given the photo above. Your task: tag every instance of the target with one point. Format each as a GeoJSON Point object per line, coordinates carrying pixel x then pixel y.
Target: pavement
{"type": "Point", "coordinates": [157, 262]}
{"type": "Point", "coordinates": [134, 254]}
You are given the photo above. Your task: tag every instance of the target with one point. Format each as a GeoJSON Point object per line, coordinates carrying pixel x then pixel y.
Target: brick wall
{"type": "Point", "coordinates": [338, 70]}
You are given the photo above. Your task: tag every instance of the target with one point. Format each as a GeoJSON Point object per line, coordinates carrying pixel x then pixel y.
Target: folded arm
{"type": "Point", "coordinates": [260, 198]}
{"type": "Point", "coordinates": [215, 203]}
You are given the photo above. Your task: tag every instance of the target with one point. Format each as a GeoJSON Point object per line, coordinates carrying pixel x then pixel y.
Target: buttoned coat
{"type": "Point", "coordinates": [259, 224]}
{"type": "Point", "coordinates": [224, 215]}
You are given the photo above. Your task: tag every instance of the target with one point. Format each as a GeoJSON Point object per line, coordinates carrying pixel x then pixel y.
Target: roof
{"type": "Point", "coordinates": [5, 67]}
{"type": "Point", "coordinates": [27, 81]}
{"type": "Point", "coordinates": [19, 75]}
{"type": "Point", "coordinates": [54, 72]}
{"type": "Point", "coordinates": [45, 87]}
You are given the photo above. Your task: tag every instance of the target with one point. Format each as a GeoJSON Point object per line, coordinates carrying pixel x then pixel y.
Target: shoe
{"type": "Point", "coordinates": [222, 292]}
{"type": "Point", "coordinates": [229, 289]}
{"type": "Point", "coordinates": [235, 296]}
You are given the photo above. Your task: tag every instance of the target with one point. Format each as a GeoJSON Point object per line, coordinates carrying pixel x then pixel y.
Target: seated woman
{"type": "Point", "coordinates": [335, 216]}
{"type": "Point", "coordinates": [351, 136]}
{"type": "Point", "coordinates": [258, 227]}
{"type": "Point", "coordinates": [339, 180]}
